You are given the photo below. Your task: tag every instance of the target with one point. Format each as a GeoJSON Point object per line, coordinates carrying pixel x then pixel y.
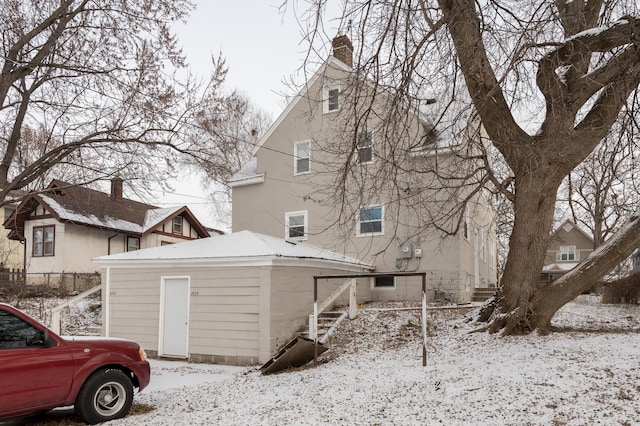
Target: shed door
{"type": "Point", "coordinates": [174, 319]}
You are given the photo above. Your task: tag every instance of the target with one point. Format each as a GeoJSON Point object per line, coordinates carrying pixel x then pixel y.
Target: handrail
{"type": "Point", "coordinates": [55, 311]}
{"type": "Point", "coordinates": [318, 309]}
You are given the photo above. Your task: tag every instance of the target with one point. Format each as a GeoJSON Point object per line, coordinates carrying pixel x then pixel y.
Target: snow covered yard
{"type": "Point", "coordinates": [588, 373]}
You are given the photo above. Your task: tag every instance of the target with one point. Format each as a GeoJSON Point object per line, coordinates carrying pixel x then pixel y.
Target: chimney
{"type": "Point", "coordinates": [343, 49]}
{"type": "Point", "coordinates": [116, 188]}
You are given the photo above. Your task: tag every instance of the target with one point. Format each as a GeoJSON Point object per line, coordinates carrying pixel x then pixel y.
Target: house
{"type": "Point", "coordinates": [233, 299]}
{"type": "Point", "coordinates": [65, 226]}
{"type": "Point", "coordinates": [283, 190]}
{"type": "Point", "coordinates": [567, 246]}
{"type": "Point", "coordinates": [11, 251]}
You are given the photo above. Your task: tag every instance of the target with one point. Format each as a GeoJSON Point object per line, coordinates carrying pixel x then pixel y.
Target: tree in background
{"type": "Point", "coordinates": [547, 79]}
{"type": "Point", "coordinates": [93, 89]}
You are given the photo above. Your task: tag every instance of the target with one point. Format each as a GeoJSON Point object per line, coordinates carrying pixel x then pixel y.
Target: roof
{"type": "Point", "coordinates": [559, 267]}
{"type": "Point", "coordinates": [84, 206]}
{"type": "Point", "coordinates": [235, 246]}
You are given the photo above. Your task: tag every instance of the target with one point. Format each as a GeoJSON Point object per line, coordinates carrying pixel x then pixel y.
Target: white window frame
{"type": "Point", "coordinates": [177, 225]}
{"type": "Point", "coordinates": [568, 251]}
{"type": "Point", "coordinates": [359, 222]}
{"type": "Point", "coordinates": [360, 147]}
{"type": "Point", "coordinates": [287, 224]}
{"type": "Point", "coordinates": [326, 90]}
{"type": "Point", "coordinates": [296, 157]}
{"type": "Point", "coordinates": [131, 247]}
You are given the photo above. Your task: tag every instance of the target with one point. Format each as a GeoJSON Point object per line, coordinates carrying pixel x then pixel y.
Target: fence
{"type": "Point", "coordinates": [63, 283]}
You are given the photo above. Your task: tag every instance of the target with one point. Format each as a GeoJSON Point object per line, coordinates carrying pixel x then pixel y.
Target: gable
{"type": "Point", "coordinates": [568, 234]}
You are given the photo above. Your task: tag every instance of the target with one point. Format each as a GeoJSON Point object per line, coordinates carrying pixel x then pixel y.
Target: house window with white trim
{"type": "Point", "coordinates": [365, 147]}
{"type": "Point", "coordinates": [331, 98]}
{"type": "Point", "coordinates": [370, 221]}
{"type": "Point", "coordinates": [177, 225]}
{"type": "Point", "coordinates": [296, 226]}
{"type": "Point", "coordinates": [133, 243]}
{"type": "Point", "coordinates": [43, 241]}
{"type": "Point", "coordinates": [567, 253]}
{"type": "Point", "coordinates": [302, 157]}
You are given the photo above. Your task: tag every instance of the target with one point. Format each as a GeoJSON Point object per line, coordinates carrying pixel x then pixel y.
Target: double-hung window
{"type": "Point", "coordinates": [302, 157]}
{"type": "Point", "coordinates": [365, 147]}
{"type": "Point", "coordinates": [568, 253]}
{"type": "Point", "coordinates": [370, 221]}
{"type": "Point", "coordinates": [133, 243]}
{"type": "Point", "coordinates": [43, 241]}
{"type": "Point", "coordinates": [177, 225]}
{"type": "Point", "coordinates": [331, 98]}
{"type": "Point", "coordinates": [296, 226]}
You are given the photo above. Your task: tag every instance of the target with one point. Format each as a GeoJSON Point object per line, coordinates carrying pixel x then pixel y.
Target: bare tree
{"type": "Point", "coordinates": [90, 89]}
{"type": "Point", "coordinates": [547, 79]}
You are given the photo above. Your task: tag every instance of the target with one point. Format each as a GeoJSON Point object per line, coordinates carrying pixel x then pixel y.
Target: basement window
{"type": "Point", "coordinates": [386, 281]}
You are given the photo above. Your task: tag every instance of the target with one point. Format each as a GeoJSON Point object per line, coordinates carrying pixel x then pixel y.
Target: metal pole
{"type": "Point", "coordinates": [315, 321]}
{"type": "Point", "coordinates": [424, 320]}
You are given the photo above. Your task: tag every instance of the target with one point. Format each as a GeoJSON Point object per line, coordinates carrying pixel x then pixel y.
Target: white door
{"type": "Point", "coordinates": [174, 318]}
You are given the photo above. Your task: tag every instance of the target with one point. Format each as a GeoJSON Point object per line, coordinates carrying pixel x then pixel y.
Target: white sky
{"type": "Point", "coordinates": [263, 49]}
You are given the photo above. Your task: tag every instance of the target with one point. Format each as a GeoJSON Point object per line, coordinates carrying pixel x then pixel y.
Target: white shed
{"type": "Point", "coordinates": [230, 299]}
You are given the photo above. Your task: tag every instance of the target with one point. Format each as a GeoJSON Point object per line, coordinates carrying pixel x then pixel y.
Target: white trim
{"type": "Point", "coordinates": [287, 216]}
{"type": "Point", "coordinates": [247, 181]}
{"type": "Point", "coordinates": [326, 88]}
{"type": "Point", "coordinates": [296, 158]}
{"type": "Point", "coordinates": [369, 234]}
{"type": "Point", "coordinates": [163, 280]}
{"type": "Point", "coordinates": [107, 301]}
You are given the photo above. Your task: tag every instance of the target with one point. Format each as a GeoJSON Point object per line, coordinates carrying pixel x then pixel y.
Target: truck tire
{"type": "Point", "coordinates": [106, 395]}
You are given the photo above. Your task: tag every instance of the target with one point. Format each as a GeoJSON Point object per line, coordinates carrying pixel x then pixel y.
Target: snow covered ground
{"type": "Point", "coordinates": [587, 374]}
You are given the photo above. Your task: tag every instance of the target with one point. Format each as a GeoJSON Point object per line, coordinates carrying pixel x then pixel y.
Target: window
{"type": "Point", "coordinates": [483, 244]}
{"type": "Point", "coordinates": [302, 157]}
{"type": "Point", "coordinates": [8, 211]}
{"type": "Point", "coordinates": [370, 221]}
{"type": "Point", "coordinates": [296, 226]}
{"type": "Point", "coordinates": [465, 225]}
{"type": "Point", "coordinates": [331, 98]}
{"type": "Point", "coordinates": [17, 333]}
{"type": "Point", "coordinates": [365, 147]}
{"type": "Point", "coordinates": [567, 253]}
{"type": "Point", "coordinates": [387, 281]}
{"type": "Point", "coordinates": [133, 243]}
{"type": "Point", "coordinates": [177, 225]}
{"type": "Point", "coordinates": [43, 240]}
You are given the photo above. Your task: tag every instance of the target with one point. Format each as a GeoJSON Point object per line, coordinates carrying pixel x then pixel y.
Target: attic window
{"type": "Point", "coordinates": [331, 98]}
{"type": "Point", "coordinates": [133, 243]}
{"type": "Point", "coordinates": [177, 225]}
{"type": "Point", "coordinates": [567, 253]}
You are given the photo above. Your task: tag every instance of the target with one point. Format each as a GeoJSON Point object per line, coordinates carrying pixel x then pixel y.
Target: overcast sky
{"type": "Point", "coordinates": [264, 49]}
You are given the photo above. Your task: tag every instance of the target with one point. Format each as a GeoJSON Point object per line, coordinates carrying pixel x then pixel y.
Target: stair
{"type": "Point", "coordinates": [327, 322]}
{"type": "Point", "coordinates": [481, 294]}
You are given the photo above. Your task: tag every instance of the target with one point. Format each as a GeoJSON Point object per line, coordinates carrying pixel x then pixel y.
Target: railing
{"type": "Point", "coordinates": [55, 311]}
{"type": "Point", "coordinates": [318, 309]}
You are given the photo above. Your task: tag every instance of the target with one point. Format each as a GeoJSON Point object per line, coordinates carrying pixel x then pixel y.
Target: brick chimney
{"type": "Point", "coordinates": [343, 49]}
{"type": "Point", "coordinates": [116, 188]}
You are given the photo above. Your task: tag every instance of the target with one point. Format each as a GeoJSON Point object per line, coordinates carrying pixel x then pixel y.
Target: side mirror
{"type": "Point", "coordinates": [48, 341]}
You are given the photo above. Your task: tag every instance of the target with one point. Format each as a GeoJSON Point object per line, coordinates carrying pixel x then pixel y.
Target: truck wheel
{"type": "Point", "coordinates": [106, 395]}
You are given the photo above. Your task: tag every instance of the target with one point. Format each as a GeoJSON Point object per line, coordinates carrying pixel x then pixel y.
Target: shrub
{"type": "Point", "coordinates": [623, 290]}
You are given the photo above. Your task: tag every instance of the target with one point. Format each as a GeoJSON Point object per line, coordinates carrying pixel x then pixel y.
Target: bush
{"type": "Point", "coordinates": [625, 290]}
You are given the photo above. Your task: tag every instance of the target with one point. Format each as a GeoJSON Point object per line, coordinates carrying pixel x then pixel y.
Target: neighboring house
{"type": "Point", "coordinates": [280, 192]}
{"type": "Point", "coordinates": [232, 299]}
{"type": "Point", "coordinates": [11, 251]}
{"type": "Point", "coordinates": [65, 226]}
{"type": "Point", "coordinates": [567, 246]}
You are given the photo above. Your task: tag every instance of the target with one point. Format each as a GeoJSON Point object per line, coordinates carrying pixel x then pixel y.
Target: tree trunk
{"type": "Point", "coordinates": [534, 208]}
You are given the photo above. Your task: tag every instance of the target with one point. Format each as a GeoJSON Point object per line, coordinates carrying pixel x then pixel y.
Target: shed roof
{"type": "Point", "coordinates": [237, 245]}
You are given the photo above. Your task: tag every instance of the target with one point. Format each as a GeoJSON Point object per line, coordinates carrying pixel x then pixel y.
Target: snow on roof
{"type": "Point", "coordinates": [89, 219]}
{"type": "Point", "coordinates": [157, 216]}
{"type": "Point", "coordinates": [559, 267]}
{"type": "Point", "coordinates": [250, 170]}
{"type": "Point", "coordinates": [238, 245]}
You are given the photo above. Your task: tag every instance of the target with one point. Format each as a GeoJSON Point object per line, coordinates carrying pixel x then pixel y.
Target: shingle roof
{"type": "Point", "coordinates": [85, 206]}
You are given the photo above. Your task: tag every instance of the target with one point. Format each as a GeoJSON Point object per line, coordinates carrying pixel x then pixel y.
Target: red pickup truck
{"type": "Point", "coordinates": [40, 370]}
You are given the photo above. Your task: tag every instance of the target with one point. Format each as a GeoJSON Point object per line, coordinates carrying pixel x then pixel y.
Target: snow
{"type": "Point", "coordinates": [586, 373]}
